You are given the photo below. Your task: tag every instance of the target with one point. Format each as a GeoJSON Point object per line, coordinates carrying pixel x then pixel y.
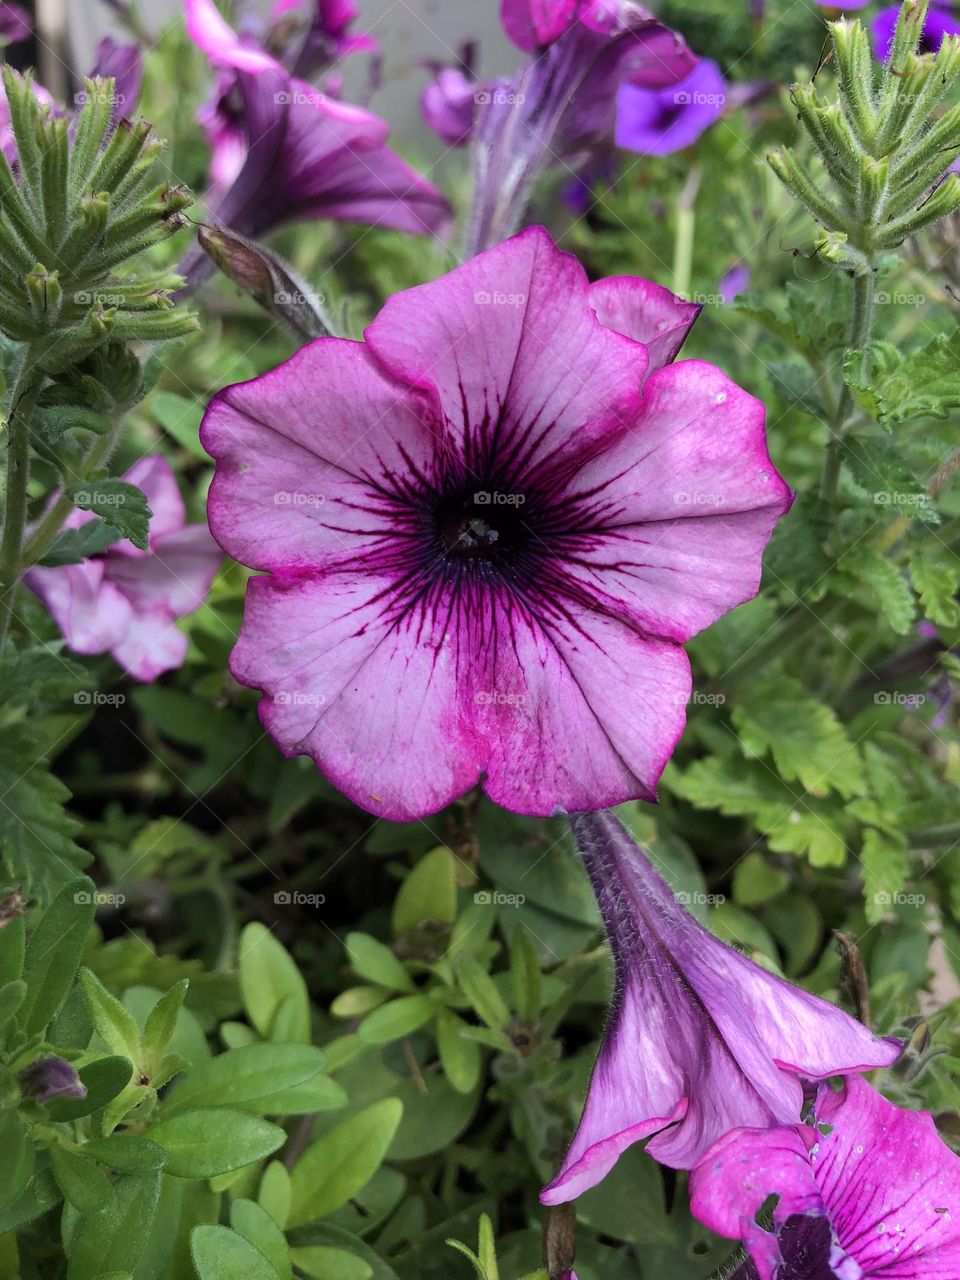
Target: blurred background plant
{"type": "Point", "coordinates": [315, 1043]}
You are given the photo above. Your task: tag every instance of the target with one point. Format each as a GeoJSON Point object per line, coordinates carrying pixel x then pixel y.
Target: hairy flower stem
{"type": "Point", "coordinates": [861, 330]}
{"type": "Point", "coordinates": [22, 403]}
{"type": "Point", "coordinates": [46, 531]}
{"type": "Point", "coordinates": [683, 239]}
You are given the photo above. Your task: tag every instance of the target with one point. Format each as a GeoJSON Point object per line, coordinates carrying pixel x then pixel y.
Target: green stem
{"type": "Point", "coordinates": [51, 524]}
{"type": "Point", "coordinates": [686, 226]}
{"type": "Point", "coordinates": [22, 402]}
{"type": "Point", "coordinates": [861, 329]}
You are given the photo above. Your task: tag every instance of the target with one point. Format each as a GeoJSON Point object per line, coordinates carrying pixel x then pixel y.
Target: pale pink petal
{"type": "Point", "coordinates": [208, 30]}
{"type": "Point", "coordinates": [175, 578]}
{"type": "Point", "coordinates": [318, 460]}
{"type": "Point", "coordinates": [90, 612]}
{"type": "Point", "coordinates": [646, 312]}
{"type": "Point", "coordinates": [151, 646]}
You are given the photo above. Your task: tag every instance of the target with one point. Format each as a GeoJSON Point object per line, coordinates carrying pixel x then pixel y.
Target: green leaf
{"type": "Point", "coordinates": [794, 383]}
{"type": "Point", "coordinates": [324, 1262]}
{"type": "Point", "coordinates": [161, 1025]}
{"type": "Point", "coordinates": [268, 977]}
{"type": "Point", "coordinates": [460, 1057]}
{"type": "Point", "coordinates": [70, 546]}
{"type": "Point", "coordinates": [755, 881]}
{"type": "Point", "coordinates": [115, 1026]}
{"type": "Point", "coordinates": [221, 1254]}
{"type": "Point", "coordinates": [275, 1192]}
{"type": "Point", "coordinates": [202, 1144]}
{"type": "Point", "coordinates": [428, 894]}
{"type": "Point", "coordinates": [879, 468]}
{"type": "Point", "coordinates": [112, 1239]}
{"type": "Point", "coordinates": [12, 996]}
{"type": "Point", "coordinates": [399, 1018]}
{"type": "Point", "coordinates": [479, 988]}
{"type": "Point", "coordinates": [18, 1158]}
{"type": "Point", "coordinates": [181, 418]}
{"type": "Point", "coordinates": [525, 975]}
{"type": "Point", "coordinates": [53, 954]}
{"type": "Point", "coordinates": [255, 1079]}
{"type": "Point", "coordinates": [936, 576]}
{"type": "Point", "coordinates": [36, 833]}
{"type": "Point", "coordinates": [885, 583]}
{"type": "Point", "coordinates": [123, 506]}
{"type": "Point", "coordinates": [923, 384]}
{"type": "Point", "coordinates": [259, 1229]}
{"type": "Point", "coordinates": [337, 1165]}
{"type": "Point", "coordinates": [82, 1181]}
{"type": "Point", "coordinates": [127, 1153]}
{"type": "Point", "coordinates": [885, 863]}
{"type": "Point", "coordinates": [377, 963]}
{"type": "Point", "coordinates": [804, 736]}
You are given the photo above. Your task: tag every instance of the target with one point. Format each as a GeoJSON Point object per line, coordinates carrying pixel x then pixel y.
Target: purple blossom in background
{"type": "Point", "coordinates": [125, 601]}
{"type": "Point", "coordinates": [737, 280]}
{"type": "Point", "coordinates": [122, 63]}
{"type": "Point", "coordinates": [325, 38]}
{"type": "Point", "coordinates": [488, 530]}
{"type": "Point", "coordinates": [50, 1077]}
{"type": "Point", "coordinates": [533, 24]}
{"type": "Point", "coordinates": [700, 1040]}
{"type": "Point", "coordinates": [939, 22]}
{"type": "Point", "coordinates": [8, 143]}
{"type": "Point", "coordinates": [448, 103]}
{"type": "Point", "coordinates": [844, 4]}
{"type": "Point", "coordinates": [867, 1190]}
{"type": "Point", "coordinates": [661, 121]}
{"type": "Point", "coordinates": [283, 151]}
{"type": "Point", "coordinates": [15, 24]}
{"type": "Point", "coordinates": [561, 105]}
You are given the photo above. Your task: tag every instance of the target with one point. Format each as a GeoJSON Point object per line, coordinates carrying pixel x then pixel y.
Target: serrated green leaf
{"type": "Point", "coordinates": [886, 582]}
{"type": "Point", "coordinates": [70, 546]}
{"type": "Point", "coordinates": [885, 863]}
{"type": "Point", "coordinates": [880, 469]}
{"type": "Point", "coordinates": [804, 736]}
{"type": "Point", "coordinates": [123, 506]}
{"type": "Point", "coordinates": [925, 383]}
{"type": "Point", "coordinates": [936, 576]}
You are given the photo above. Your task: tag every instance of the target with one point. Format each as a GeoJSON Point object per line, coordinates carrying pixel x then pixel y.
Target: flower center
{"type": "Point", "coordinates": [482, 525]}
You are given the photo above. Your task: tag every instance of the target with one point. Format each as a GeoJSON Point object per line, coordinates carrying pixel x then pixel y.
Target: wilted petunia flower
{"type": "Point", "coordinates": [489, 528]}
{"type": "Point", "coordinates": [700, 1039]}
{"type": "Point", "coordinates": [866, 1190]}
{"type": "Point", "coordinates": [939, 22]}
{"type": "Point", "coordinates": [284, 151]}
{"type": "Point", "coordinates": [125, 600]}
{"type": "Point", "coordinates": [659, 122]}
{"type": "Point", "coordinates": [49, 1077]}
{"type": "Point", "coordinates": [562, 103]}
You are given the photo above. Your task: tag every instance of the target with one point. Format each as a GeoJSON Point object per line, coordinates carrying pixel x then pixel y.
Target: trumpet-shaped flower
{"type": "Point", "coordinates": [323, 35]}
{"type": "Point", "coordinates": [661, 121]}
{"type": "Point", "coordinates": [941, 21]}
{"type": "Point", "coordinates": [866, 1191]}
{"type": "Point", "coordinates": [284, 151]}
{"type": "Point", "coordinates": [125, 601]}
{"type": "Point", "coordinates": [489, 529]}
{"type": "Point", "coordinates": [700, 1039]}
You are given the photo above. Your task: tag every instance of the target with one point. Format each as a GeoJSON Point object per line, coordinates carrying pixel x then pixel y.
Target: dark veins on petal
{"type": "Point", "coordinates": [805, 1243]}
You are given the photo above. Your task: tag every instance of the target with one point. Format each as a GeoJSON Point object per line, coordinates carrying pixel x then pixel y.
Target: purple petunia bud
{"type": "Point", "coordinates": [51, 1077]}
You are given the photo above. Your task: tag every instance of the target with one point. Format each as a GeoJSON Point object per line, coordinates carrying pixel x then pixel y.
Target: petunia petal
{"type": "Point", "coordinates": [151, 646]}
{"type": "Point", "coordinates": [175, 578]}
{"type": "Point", "coordinates": [525, 372]}
{"type": "Point", "coordinates": [646, 312]}
{"type": "Point", "coordinates": [90, 612]}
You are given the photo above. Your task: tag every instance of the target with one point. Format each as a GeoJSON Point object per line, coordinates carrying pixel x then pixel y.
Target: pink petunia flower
{"type": "Point", "coordinates": [125, 601]}
{"type": "Point", "coordinates": [284, 151]}
{"type": "Point", "coordinates": [866, 1191]}
{"type": "Point", "coordinates": [700, 1040]}
{"type": "Point", "coordinates": [489, 529]}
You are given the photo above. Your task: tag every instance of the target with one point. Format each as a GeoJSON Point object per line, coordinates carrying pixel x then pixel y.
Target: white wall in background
{"type": "Point", "coordinates": [408, 32]}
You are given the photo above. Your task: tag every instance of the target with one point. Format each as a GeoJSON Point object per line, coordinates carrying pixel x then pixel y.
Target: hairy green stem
{"type": "Point", "coordinates": [22, 403]}
{"type": "Point", "coordinates": [686, 226]}
{"type": "Point", "coordinates": [861, 329]}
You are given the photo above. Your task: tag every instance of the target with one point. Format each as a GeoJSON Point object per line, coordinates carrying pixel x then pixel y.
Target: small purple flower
{"type": "Point", "coordinates": [865, 1191]}
{"type": "Point", "coordinates": [735, 281]}
{"type": "Point", "coordinates": [700, 1039]}
{"type": "Point", "coordinates": [486, 532]}
{"type": "Point", "coordinates": [15, 24]}
{"type": "Point", "coordinates": [50, 1077]}
{"type": "Point", "coordinates": [125, 601]}
{"type": "Point", "coordinates": [534, 24]}
{"type": "Point", "coordinates": [283, 151]}
{"type": "Point", "coordinates": [661, 121]}
{"type": "Point", "coordinates": [326, 39]}
{"type": "Point", "coordinates": [448, 103]}
{"type": "Point", "coordinates": [939, 22]}
{"type": "Point", "coordinates": [123, 63]}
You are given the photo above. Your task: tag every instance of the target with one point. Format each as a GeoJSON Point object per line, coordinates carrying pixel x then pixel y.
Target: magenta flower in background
{"type": "Point", "coordinates": [123, 63]}
{"type": "Point", "coordinates": [939, 22]}
{"type": "Point", "coordinates": [661, 121]}
{"type": "Point", "coordinates": [283, 151]}
{"type": "Point", "coordinates": [866, 1190]}
{"type": "Point", "coordinates": [125, 601]}
{"type": "Point", "coordinates": [737, 280]}
{"type": "Point", "coordinates": [533, 24]}
{"type": "Point", "coordinates": [448, 102]}
{"type": "Point", "coordinates": [324, 37]}
{"type": "Point", "coordinates": [489, 529]}
{"type": "Point", "coordinates": [700, 1040]}
{"type": "Point", "coordinates": [15, 24]}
